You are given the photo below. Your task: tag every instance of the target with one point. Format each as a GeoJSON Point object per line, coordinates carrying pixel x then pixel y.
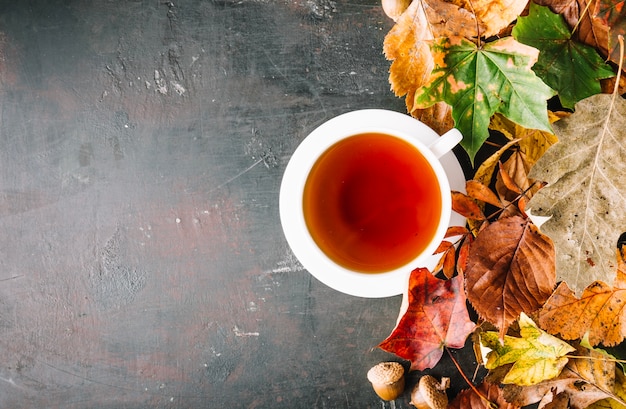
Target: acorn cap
{"type": "Point", "coordinates": [430, 394]}
{"type": "Point", "coordinates": [387, 379]}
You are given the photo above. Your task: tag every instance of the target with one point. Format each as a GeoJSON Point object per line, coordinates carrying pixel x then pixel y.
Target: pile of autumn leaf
{"type": "Point", "coordinates": [537, 260]}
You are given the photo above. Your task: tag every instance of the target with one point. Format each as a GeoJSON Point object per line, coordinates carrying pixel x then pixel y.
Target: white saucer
{"type": "Point", "coordinates": [290, 202]}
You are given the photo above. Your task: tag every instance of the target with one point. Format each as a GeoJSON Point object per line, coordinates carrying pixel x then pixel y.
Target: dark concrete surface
{"type": "Point", "coordinates": [142, 262]}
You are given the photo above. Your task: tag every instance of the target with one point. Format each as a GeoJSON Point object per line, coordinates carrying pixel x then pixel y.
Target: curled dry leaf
{"type": "Point", "coordinates": [510, 269]}
{"type": "Point", "coordinates": [600, 311]}
{"type": "Point", "coordinates": [585, 189]}
{"type": "Point", "coordinates": [469, 399]}
{"type": "Point", "coordinates": [436, 317]}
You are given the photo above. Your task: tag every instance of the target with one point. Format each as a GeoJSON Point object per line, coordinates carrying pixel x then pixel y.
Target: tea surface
{"type": "Point", "coordinates": [372, 202]}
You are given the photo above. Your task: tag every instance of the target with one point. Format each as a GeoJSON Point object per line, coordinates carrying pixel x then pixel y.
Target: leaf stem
{"type": "Point", "coordinates": [585, 11]}
{"type": "Point", "coordinates": [597, 358]}
{"type": "Point", "coordinates": [489, 403]}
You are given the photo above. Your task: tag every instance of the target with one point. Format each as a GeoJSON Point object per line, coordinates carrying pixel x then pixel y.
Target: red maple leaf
{"type": "Point", "coordinates": [436, 317]}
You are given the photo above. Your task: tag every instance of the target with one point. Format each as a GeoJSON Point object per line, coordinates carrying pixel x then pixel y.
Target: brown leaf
{"type": "Point", "coordinates": [468, 399]}
{"type": "Point", "coordinates": [510, 269]}
{"type": "Point", "coordinates": [600, 311]}
{"type": "Point", "coordinates": [436, 317]}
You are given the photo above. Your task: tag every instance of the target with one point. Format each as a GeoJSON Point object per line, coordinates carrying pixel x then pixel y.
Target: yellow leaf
{"type": "Point", "coordinates": [536, 356]}
{"type": "Point", "coordinates": [533, 143]}
{"type": "Point", "coordinates": [484, 173]}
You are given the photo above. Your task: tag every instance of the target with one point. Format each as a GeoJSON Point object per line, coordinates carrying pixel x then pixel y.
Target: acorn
{"type": "Point", "coordinates": [387, 379]}
{"type": "Point", "coordinates": [430, 394]}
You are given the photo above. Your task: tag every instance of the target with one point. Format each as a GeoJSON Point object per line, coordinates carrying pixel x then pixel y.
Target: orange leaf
{"type": "Point", "coordinates": [601, 311]}
{"type": "Point", "coordinates": [479, 191]}
{"type": "Point", "coordinates": [461, 262]}
{"type": "Point", "coordinates": [456, 231]}
{"type": "Point", "coordinates": [510, 269]}
{"type": "Point", "coordinates": [436, 317]}
{"type": "Point", "coordinates": [466, 206]}
{"type": "Point", "coordinates": [449, 262]}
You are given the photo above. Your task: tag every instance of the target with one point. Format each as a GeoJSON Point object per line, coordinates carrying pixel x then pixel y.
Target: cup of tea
{"type": "Point", "coordinates": [364, 200]}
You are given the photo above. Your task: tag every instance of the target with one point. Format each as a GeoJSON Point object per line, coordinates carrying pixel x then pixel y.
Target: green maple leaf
{"type": "Point", "coordinates": [571, 68]}
{"type": "Point", "coordinates": [536, 356]}
{"type": "Point", "coordinates": [478, 82]}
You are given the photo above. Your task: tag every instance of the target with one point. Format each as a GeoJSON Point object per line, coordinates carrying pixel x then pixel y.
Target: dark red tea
{"type": "Point", "coordinates": [372, 202]}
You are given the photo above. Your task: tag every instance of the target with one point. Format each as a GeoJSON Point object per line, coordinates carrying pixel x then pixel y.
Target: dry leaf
{"type": "Point", "coordinates": [585, 195]}
{"type": "Point", "coordinates": [581, 383]}
{"type": "Point", "coordinates": [436, 317]}
{"type": "Point", "coordinates": [600, 311]}
{"type": "Point", "coordinates": [619, 400]}
{"type": "Point", "coordinates": [466, 206]}
{"type": "Point", "coordinates": [533, 143]}
{"type": "Point", "coordinates": [510, 269]}
{"type": "Point", "coordinates": [468, 399]}
{"type": "Point", "coordinates": [406, 44]}
{"type": "Point", "coordinates": [394, 8]}
{"type": "Point", "coordinates": [438, 117]}
{"type": "Point", "coordinates": [484, 173]}
{"type": "Point", "coordinates": [494, 16]}
{"type": "Point", "coordinates": [536, 355]}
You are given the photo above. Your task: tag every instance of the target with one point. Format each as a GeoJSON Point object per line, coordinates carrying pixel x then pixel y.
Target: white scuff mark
{"type": "Point", "coordinates": [243, 172]}
{"type": "Point", "coordinates": [161, 85]}
{"type": "Point", "coordinates": [252, 307]}
{"type": "Point", "coordinates": [148, 85]}
{"type": "Point", "coordinates": [289, 264]}
{"type": "Point", "coordinates": [11, 382]}
{"type": "Point", "coordinates": [240, 333]}
{"type": "Point", "coordinates": [179, 89]}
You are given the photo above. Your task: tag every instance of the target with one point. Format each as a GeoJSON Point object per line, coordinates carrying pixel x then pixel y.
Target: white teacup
{"type": "Point", "coordinates": [356, 278]}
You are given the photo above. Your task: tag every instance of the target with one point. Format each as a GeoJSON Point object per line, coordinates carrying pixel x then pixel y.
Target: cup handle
{"type": "Point", "coordinates": [446, 142]}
